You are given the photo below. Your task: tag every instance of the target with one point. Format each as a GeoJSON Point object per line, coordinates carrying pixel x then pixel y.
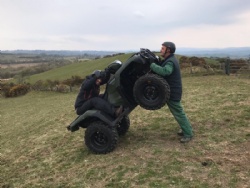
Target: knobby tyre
{"type": "Point", "coordinates": [151, 91]}
{"type": "Point", "coordinates": [100, 138]}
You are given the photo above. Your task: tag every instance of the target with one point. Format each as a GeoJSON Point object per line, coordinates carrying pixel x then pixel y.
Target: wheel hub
{"type": "Point", "coordinates": [99, 139]}
{"type": "Point", "coordinates": [150, 92]}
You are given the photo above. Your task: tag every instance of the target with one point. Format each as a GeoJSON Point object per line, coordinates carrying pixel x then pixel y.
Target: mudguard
{"type": "Point", "coordinates": [83, 120]}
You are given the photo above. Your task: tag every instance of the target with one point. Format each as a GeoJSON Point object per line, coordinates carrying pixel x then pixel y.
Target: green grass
{"type": "Point", "coordinates": [82, 68]}
{"type": "Point", "coordinates": [37, 150]}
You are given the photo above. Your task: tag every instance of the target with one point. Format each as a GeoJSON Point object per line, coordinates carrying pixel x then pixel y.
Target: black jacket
{"type": "Point", "coordinates": [174, 79]}
{"type": "Point", "coordinates": [88, 90]}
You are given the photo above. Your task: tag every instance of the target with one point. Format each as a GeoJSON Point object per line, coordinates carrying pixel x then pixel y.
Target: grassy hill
{"type": "Point", "coordinates": [82, 68]}
{"type": "Point", "coordinates": [37, 150]}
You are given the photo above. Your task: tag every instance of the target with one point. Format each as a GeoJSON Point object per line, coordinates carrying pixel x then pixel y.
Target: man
{"type": "Point", "coordinates": [170, 70]}
{"type": "Point", "coordinates": [89, 96]}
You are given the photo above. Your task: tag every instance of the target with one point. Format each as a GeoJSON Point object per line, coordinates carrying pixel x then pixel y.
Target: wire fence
{"type": "Point", "coordinates": [240, 68]}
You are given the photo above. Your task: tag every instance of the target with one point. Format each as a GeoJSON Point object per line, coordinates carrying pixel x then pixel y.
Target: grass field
{"type": "Point", "coordinates": [38, 151]}
{"type": "Point", "coordinates": [82, 69]}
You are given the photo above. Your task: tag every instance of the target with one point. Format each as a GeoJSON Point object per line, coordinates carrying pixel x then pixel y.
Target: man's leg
{"type": "Point", "coordinates": [87, 105]}
{"type": "Point", "coordinates": [98, 104]}
{"type": "Point", "coordinates": [180, 116]}
{"type": "Point", "coordinates": [102, 105]}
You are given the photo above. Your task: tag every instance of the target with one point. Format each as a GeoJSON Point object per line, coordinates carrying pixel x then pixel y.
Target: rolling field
{"type": "Point", "coordinates": [81, 69]}
{"type": "Point", "coordinates": [37, 150]}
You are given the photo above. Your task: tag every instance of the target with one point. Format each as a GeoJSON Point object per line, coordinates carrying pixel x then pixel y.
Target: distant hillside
{"type": "Point", "coordinates": [232, 52]}
{"type": "Point", "coordinates": [243, 52]}
{"type": "Point", "coordinates": [59, 52]}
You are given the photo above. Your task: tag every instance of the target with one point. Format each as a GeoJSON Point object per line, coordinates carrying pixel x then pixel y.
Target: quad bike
{"type": "Point", "coordinates": [132, 84]}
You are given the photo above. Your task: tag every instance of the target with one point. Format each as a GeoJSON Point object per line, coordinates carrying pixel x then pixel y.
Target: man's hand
{"type": "Point", "coordinates": [158, 60]}
{"type": "Point", "coordinates": [152, 65]}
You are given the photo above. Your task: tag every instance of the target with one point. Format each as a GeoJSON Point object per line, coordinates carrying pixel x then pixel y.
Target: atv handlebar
{"type": "Point", "coordinates": [147, 54]}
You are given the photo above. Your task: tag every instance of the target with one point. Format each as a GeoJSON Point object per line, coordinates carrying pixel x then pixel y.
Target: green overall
{"type": "Point", "coordinates": [176, 109]}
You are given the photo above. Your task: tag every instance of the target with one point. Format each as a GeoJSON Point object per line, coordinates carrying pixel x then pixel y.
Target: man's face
{"type": "Point", "coordinates": [163, 51]}
{"type": "Point", "coordinates": [98, 81]}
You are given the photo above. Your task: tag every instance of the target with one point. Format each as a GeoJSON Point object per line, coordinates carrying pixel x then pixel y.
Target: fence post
{"type": "Point", "coordinates": [191, 71]}
{"type": "Point", "coordinates": [248, 63]}
{"type": "Point", "coordinates": [227, 66]}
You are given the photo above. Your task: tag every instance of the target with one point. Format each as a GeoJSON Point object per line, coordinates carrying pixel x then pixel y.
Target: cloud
{"type": "Point", "coordinates": [122, 24]}
{"type": "Point", "coordinates": [139, 14]}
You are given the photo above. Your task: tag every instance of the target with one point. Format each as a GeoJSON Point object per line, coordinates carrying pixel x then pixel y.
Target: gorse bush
{"type": "Point", "coordinates": [73, 81]}
{"type": "Point", "coordinates": [45, 85]}
{"type": "Point", "coordinates": [65, 86]}
{"type": "Point", "coordinates": [60, 86]}
{"type": "Point", "coordinates": [17, 90]}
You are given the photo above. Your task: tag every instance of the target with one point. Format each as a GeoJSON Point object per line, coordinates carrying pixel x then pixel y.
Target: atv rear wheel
{"type": "Point", "coordinates": [123, 126]}
{"type": "Point", "coordinates": [100, 138]}
{"type": "Point", "coordinates": [151, 91]}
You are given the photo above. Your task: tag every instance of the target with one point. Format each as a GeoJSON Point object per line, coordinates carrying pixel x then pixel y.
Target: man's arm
{"type": "Point", "coordinates": [163, 71]}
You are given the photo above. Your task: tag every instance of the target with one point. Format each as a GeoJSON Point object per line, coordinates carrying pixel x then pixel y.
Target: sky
{"type": "Point", "coordinates": [116, 25]}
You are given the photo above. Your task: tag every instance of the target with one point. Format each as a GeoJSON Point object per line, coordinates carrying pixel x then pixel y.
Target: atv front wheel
{"type": "Point", "coordinates": [151, 91]}
{"type": "Point", "coordinates": [100, 138]}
